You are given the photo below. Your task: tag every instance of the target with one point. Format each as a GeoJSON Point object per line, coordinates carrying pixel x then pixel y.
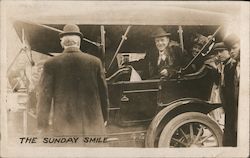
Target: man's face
{"type": "Point", "coordinates": [161, 43]}
{"type": "Point", "coordinates": [223, 55]}
{"type": "Point", "coordinates": [195, 50]}
{"type": "Point", "coordinates": [37, 72]}
{"type": "Point", "coordinates": [235, 51]}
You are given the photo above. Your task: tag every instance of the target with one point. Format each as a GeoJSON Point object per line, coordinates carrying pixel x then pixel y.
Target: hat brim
{"type": "Point", "coordinates": [70, 33]}
{"type": "Point", "coordinates": [229, 44]}
{"type": "Point", "coordinates": [218, 49]}
{"type": "Point", "coordinates": [161, 35]}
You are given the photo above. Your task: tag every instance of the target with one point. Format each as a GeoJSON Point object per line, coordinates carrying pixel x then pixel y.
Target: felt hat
{"type": "Point", "coordinates": [230, 40]}
{"type": "Point", "coordinates": [160, 32]}
{"type": "Point", "coordinates": [71, 29]}
{"type": "Point", "coordinates": [219, 46]}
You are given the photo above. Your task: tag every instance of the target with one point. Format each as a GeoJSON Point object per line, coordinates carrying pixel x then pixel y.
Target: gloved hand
{"type": "Point", "coordinates": [164, 72]}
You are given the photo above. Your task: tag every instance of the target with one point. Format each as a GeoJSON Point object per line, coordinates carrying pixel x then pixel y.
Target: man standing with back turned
{"type": "Point", "coordinates": [75, 81]}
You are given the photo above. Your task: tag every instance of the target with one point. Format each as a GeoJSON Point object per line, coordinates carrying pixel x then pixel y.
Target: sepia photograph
{"type": "Point", "coordinates": [124, 79]}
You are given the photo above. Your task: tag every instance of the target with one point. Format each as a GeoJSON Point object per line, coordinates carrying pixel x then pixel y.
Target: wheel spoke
{"type": "Point", "coordinates": [203, 140]}
{"type": "Point", "coordinates": [184, 134]}
{"type": "Point", "coordinates": [178, 141]}
{"type": "Point", "coordinates": [198, 136]}
{"type": "Point", "coordinates": [191, 130]}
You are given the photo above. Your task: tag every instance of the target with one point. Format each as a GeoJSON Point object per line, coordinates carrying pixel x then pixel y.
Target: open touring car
{"type": "Point", "coordinates": [163, 112]}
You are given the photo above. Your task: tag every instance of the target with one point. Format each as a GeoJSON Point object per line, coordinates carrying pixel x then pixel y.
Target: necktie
{"type": "Point", "coordinates": [162, 57]}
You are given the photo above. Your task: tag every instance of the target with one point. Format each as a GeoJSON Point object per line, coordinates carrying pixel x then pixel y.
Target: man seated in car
{"type": "Point", "coordinates": [163, 62]}
{"type": "Point", "coordinates": [198, 41]}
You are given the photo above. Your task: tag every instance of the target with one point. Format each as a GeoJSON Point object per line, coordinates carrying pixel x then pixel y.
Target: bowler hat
{"type": "Point", "coordinates": [160, 32]}
{"type": "Point", "coordinates": [230, 40]}
{"type": "Point", "coordinates": [219, 46]}
{"type": "Point", "coordinates": [71, 29]}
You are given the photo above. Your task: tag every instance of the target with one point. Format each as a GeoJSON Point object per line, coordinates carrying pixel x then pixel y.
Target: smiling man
{"type": "Point", "coordinates": [166, 60]}
{"type": "Point", "coordinates": [232, 42]}
{"type": "Point", "coordinates": [169, 57]}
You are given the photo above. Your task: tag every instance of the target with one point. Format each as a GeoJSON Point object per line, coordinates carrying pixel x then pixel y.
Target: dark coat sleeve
{"type": "Point", "coordinates": [45, 97]}
{"type": "Point", "coordinates": [103, 91]}
{"type": "Point", "coordinates": [210, 63]}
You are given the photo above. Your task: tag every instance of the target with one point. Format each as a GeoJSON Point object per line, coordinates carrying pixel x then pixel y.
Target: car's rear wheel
{"type": "Point", "coordinates": [191, 129]}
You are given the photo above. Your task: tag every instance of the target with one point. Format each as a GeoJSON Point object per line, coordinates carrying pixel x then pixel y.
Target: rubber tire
{"type": "Point", "coordinates": [184, 118]}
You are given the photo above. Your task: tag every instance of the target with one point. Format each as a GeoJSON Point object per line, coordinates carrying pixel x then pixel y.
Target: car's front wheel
{"type": "Point", "coordinates": [191, 129]}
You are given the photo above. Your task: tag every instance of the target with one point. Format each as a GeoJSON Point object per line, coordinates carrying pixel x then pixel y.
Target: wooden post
{"type": "Point", "coordinates": [180, 31]}
{"type": "Point", "coordinates": [103, 45]}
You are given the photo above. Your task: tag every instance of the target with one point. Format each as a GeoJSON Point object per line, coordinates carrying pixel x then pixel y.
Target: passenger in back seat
{"type": "Point", "coordinates": [165, 61]}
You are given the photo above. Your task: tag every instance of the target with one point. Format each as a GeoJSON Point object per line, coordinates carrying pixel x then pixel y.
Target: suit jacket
{"type": "Point", "coordinates": [150, 62]}
{"type": "Point", "coordinates": [75, 83]}
{"type": "Point", "coordinates": [229, 83]}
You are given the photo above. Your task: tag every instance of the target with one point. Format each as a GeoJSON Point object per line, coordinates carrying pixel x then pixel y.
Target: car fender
{"type": "Point", "coordinates": [174, 108]}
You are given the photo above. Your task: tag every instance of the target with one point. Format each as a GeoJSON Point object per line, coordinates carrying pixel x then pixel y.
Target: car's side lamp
{"type": "Point", "coordinates": [124, 98]}
{"type": "Point", "coordinates": [179, 73]}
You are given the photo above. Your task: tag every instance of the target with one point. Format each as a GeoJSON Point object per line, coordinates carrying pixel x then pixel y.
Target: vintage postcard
{"type": "Point", "coordinates": [124, 79]}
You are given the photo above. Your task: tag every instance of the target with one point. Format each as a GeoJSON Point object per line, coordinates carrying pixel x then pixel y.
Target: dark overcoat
{"type": "Point", "coordinates": [75, 84]}
{"type": "Point", "coordinates": [229, 103]}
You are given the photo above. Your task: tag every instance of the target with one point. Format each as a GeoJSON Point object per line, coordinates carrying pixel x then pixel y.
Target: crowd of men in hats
{"type": "Point", "coordinates": [75, 82]}
{"type": "Point", "coordinates": [225, 59]}
{"type": "Point", "coordinates": [229, 55]}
